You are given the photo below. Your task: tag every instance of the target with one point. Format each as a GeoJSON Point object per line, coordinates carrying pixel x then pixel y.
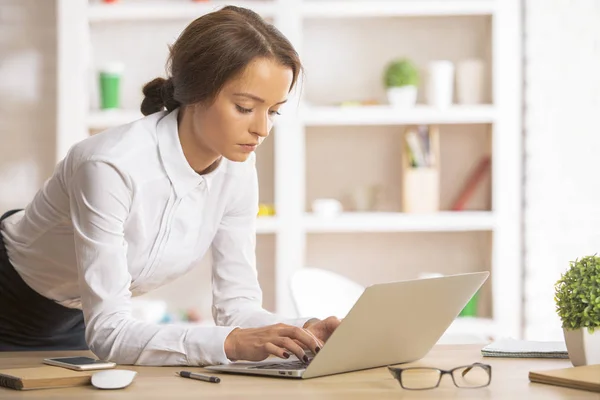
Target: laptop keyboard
{"type": "Point", "coordinates": [291, 365]}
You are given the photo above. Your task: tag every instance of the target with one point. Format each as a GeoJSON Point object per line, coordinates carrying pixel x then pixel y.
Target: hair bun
{"type": "Point", "coordinates": [167, 93]}
{"type": "Point", "coordinates": [153, 101]}
{"type": "Point", "coordinates": [158, 94]}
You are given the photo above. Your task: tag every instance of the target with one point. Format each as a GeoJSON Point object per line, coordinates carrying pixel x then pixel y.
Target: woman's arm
{"type": "Point", "coordinates": [100, 198]}
{"type": "Point", "coordinates": [237, 297]}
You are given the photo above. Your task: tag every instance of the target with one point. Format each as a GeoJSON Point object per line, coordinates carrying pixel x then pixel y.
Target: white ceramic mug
{"type": "Point", "coordinates": [440, 83]}
{"type": "Point", "coordinates": [327, 207]}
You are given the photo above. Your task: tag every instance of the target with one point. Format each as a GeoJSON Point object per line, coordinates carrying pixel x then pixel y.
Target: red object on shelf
{"type": "Point", "coordinates": [474, 180]}
{"type": "Point", "coordinates": [110, 1]}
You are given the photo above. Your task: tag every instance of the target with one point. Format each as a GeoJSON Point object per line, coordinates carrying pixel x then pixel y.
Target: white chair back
{"type": "Point", "coordinates": [321, 293]}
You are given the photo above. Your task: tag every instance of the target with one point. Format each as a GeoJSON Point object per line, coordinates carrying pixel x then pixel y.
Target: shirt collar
{"type": "Point", "coordinates": [180, 173]}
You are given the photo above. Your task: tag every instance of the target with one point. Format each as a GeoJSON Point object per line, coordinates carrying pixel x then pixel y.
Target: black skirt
{"type": "Point", "coordinates": [30, 321]}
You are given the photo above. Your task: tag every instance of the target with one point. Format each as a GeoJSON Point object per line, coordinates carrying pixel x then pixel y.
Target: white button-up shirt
{"type": "Point", "coordinates": [124, 213]}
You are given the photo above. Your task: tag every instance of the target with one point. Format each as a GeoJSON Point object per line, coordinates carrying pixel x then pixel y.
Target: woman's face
{"type": "Point", "coordinates": [242, 114]}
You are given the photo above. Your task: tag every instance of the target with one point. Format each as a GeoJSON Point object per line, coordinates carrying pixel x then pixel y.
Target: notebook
{"type": "Point", "coordinates": [585, 377]}
{"type": "Point", "coordinates": [43, 378]}
{"type": "Point", "coordinates": [525, 349]}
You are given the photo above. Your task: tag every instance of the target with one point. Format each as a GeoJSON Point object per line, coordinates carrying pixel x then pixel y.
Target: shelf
{"type": "Point", "coordinates": [166, 10]}
{"type": "Point", "coordinates": [399, 222]}
{"type": "Point", "coordinates": [100, 120]}
{"type": "Point", "coordinates": [387, 115]}
{"type": "Point", "coordinates": [342, 116]}
{"type": "Point", "coordinates": [402, 8]}
{"type": "Point", "coordinates": [266, 225]}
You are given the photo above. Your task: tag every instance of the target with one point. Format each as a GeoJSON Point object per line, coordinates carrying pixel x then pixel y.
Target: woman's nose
{"type": "Point", "coordinates": [262, 126]}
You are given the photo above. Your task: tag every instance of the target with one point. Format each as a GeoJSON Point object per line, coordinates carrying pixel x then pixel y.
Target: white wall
{"type": "Point", "coordinates": [27, 98]}
{"type": "Point", "coordinates": [562, 125]}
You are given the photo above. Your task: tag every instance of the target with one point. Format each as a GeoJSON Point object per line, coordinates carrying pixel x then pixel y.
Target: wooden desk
{"type": "Point", "coordinates": [509, 382]}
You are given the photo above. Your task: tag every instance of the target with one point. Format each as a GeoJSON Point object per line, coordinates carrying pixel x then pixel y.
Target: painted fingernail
{"type": "Point", "coordinates": [286, 355]}
{"type": "Point", "coordinates": [317, 349]}
{"type": "Point", "coordinates": [305, 358]}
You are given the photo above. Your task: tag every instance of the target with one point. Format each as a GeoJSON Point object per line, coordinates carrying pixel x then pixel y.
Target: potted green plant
{"type": "Point", "coordinates": [577, 297]}
{"type": "Point", "coordinates": [401, 79]}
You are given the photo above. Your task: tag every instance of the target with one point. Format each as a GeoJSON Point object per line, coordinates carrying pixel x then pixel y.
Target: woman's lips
{"type": "Point", "coordinates": [248, 147]}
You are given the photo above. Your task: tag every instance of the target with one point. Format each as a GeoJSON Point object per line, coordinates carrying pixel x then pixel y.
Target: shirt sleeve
{"type": "Point", "coordinates": [237, 296]}
{"type": "Point", "coordinates": [100, 199]}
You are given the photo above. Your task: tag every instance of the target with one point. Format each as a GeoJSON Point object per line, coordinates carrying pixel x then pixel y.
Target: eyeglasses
{"type": "Point", "coordinates": [476, 375]}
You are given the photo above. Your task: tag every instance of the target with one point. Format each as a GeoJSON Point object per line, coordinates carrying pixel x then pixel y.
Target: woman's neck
{"type": "Point", "coordinates": [198, 155]}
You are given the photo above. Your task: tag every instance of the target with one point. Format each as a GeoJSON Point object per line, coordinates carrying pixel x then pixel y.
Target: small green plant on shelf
{"type": "Point", "coordinates": [401, 79]}
{"type": "Point", "coordinates": [401, 72]}
{"type": "Point", "coordinates": [577, 295]}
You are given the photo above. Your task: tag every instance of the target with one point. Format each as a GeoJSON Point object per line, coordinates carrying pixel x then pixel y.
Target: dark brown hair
{"type": "Point", "coordinates": [213, 49]}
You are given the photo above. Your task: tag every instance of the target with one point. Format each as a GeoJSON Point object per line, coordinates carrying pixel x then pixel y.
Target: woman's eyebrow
{"type": "Point", "coordinates": [256, 98]}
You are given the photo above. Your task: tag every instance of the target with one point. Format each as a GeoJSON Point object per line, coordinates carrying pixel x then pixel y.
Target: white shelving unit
{"type": "Point", "coordinates": [293, 224]}
{"type": "Point", "coordinates": [386, 115]}
{"type": "Point", "coordinates": [342, 116]}
{"type": "Point", "coordinates": [267, 225]}
{"type": "Point", "coordinates": [400, 222]}
{"type": "Point", "coordinates": [384, 8]}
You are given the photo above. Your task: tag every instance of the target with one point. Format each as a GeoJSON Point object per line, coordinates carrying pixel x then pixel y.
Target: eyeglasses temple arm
{"type": "Point", "coordinates": [466, 371]}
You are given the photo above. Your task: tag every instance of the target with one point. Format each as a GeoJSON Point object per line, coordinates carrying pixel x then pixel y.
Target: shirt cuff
{"type": "Point", "coordinates": [205, 345]}
{"type": "Point", "coordinates": [299, 322]}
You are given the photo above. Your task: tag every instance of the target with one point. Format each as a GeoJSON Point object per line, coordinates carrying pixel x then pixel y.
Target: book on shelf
{"type": "Point", "coordinates": [474, 180]}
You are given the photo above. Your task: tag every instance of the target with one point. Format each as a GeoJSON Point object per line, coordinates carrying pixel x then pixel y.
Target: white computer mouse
{"type": "Point", "coordinates": [113, 378]}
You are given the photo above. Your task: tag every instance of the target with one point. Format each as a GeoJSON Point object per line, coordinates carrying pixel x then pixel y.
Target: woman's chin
{"type": "Point", "coordinates": [237, 156]}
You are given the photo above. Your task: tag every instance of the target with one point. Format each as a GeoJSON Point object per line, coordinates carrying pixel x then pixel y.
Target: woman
{"type": "Point", "coordinates": [136, 206]}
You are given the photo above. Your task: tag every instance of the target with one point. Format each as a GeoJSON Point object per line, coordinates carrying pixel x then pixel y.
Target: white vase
{"type": "Point", "coordinates": [403, 96]}
{"type": "Point", "coordinates": [440, 84]}
{"type": "Point", "coordinates": [470, 81]}
{"type": "Point", "coordinates": [583, 347]}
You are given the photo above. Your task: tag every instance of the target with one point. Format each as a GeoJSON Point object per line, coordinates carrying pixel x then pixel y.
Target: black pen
{"type": "Point", "coordinates": [200, 377]}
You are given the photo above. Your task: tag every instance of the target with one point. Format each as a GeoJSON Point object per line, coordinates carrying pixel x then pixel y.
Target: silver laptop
{"type": "Point", "coordinates": [391, 323]}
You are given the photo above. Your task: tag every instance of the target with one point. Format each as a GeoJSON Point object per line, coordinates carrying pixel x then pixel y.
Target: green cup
{"type": "Point", "coordinates": [470, 310]}
{"type": "Point", "coordinates": [110, 85]}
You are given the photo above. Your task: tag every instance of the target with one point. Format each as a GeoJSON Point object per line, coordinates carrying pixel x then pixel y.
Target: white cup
{"type": "Point", "coordinates": [440, 83]}
{"type": "Point", "coordinates": [327, 207]}
{"type": "Point", "coordinates": [470, 81]}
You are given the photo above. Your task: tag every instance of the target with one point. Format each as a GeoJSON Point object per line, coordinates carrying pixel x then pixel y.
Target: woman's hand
{"type": "Point", "coordinates": [281, 340]}
{"type": "Point", "coordinates": [322, 329]}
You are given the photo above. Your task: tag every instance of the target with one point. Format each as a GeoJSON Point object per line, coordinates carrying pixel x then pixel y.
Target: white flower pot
{"type": "Point", "coordinates": [583, 347]}
{"type": "Point", "coordinates": [403, 96]}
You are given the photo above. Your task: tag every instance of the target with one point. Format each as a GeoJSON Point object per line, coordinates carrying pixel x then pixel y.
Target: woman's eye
{"type": "Point", "coordinates": [274, 112]}
{"type": "Point", "coordinates": [243, 110]}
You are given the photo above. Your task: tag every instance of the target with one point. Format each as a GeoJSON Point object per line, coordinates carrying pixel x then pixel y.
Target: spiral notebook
{"type": "Point", "coordinates": [44, 377]}
{"type": "Point", "coordinates": [513, 348]}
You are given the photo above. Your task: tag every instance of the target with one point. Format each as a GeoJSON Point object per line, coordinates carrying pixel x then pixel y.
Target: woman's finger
{"type": "Point", "coordinates": [289, 344]}
{"type": "Point", "coordinates": [301, 344]}
{"type": "Point", "coordinates": [277, 351]}
{"type": "Point", "coordinates": [302, 336]}
{"type": "Point", "coordinates": [320, 342]}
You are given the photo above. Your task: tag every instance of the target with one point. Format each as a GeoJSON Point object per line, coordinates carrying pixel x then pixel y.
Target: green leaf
{"type": "Point", "coordinates": [577, 294]}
